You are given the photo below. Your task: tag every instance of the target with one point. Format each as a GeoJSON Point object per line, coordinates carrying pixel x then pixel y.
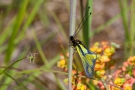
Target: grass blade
{"type": "Point", "coordinates": [15, 30]}
{"type": "Point", "coordinates": [87, 25]}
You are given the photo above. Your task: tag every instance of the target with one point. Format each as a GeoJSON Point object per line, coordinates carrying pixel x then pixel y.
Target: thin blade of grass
{"type": "Point", "coordinates": [39, 70]}
{"type": "Point", "coordinates": [87, 26]}
{"type": "Point", "coordinates": [100, 28]}
{"type": "Point", "coordinates": [39, 48]}
{"type": "Point", "coordinates": [47, 66]}
{"type": "Point", "coordinates": [13, 86]}
{"type": "Point", "coordinates": [15, 30]}
{"type": "Point", "coordinates": [59, 24]}
{"type": "Point", "coordinates": [29, 20]}
{"type": "Point", "coordinates": [11, 65]}
{"type": "Point", "coordinates": [123, 8]}
{"type": "Point", "coordinates": [132, 27]}
{"type": "Point", "coordinates": [20, 84]}
{"type": "Point", "coordinates": [127, 45]}
{"type": "Point", "coordinates": [43, 56]}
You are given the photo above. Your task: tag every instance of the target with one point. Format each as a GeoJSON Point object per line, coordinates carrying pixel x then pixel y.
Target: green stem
{"type": "Point", "coordinates": [71, 32]}
{"type": "Point", "coordinates": [12, 65]}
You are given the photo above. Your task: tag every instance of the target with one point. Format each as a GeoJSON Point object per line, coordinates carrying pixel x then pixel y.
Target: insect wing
{"type": "Point", "coordinates": [88, 59]}
{"type": "Point", "coordinates": [90, 64]}
{"type": "Point", "coordinates": [91, 59]}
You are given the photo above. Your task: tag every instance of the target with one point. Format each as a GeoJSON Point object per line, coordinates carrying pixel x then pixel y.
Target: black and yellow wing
{"type": "Point", "coordinates": [88, 59]}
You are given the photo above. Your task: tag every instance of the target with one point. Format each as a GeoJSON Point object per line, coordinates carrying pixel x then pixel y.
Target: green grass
{"type": "Point", "coordinates": [19, 37]}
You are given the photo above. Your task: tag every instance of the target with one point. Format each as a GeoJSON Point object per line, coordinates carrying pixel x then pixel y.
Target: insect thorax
{"type": "Point", "coordinates": [74, 41]}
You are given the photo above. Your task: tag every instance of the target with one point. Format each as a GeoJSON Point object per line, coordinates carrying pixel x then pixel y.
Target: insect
{"type": "Point", "coordinates": [88, 58]}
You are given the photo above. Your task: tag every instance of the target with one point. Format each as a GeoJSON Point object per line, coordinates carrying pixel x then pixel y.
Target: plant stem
{"type": "Point", "coordinates": [71, 32]}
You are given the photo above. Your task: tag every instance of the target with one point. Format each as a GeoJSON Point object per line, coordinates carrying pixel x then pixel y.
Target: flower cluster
{"type": "Point", "coordinates": [125, 75]}
{"type": "Point", "coordinates": [122, 78]}
{"type": "Point", "coordinates": [62, 62]}
{"type": "Point", "coordinates": [77, 81]}
{"type": "Point", "coordinates": [104, 53]}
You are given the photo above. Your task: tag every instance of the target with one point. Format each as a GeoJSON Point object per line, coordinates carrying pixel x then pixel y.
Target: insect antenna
{"type": "Point", "coordinates": [82, 23]}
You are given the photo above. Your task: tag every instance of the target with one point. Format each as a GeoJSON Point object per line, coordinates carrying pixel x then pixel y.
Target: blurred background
{"type": "Point", "coordinates": [42, 26]}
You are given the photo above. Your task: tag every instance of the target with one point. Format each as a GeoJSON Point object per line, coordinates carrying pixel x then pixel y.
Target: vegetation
{"type": "Point", "coordinates": [34, 44]}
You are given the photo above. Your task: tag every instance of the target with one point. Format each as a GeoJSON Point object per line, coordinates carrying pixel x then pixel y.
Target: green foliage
{"type": "Point", "coordinates": [15, 29]}
{"type": "Point", "coordinates": [17, 26]}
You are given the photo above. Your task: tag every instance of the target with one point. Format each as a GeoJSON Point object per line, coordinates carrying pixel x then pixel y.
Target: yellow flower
{"type": "Point", "coordinates": [105, 58]}
{"type": "Point", "coordinates": [127, 87]}
{"type": "Point", "coordinates": [118, 81]}
{"type": "Point", "coordinates": [99, 63]}
{"type": "Point", "coordinates": [66, 81]}
{"type": "Point", "coordinates": [114, 88]}
{"type": "Point", "coordinates": [96, 48]}
{"type": "Point", "coordinates": [99, 50]}
{"type": "Point", "coordinates": [131, 60]}
{"type": "Point", "coordinates": [99, 66]}
{"type": "Point", "coordinates": [109, 51]}
{"type": "Point", "coordinates": [61, 63]}
{"type": "Point", "coordinates": [81, 86]}
{"type": "Point", "coordinates": [100, 73]}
